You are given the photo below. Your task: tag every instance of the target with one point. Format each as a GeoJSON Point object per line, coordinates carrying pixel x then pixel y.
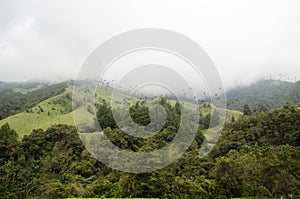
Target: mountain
{"type": "Point", "coordinates": [17, 97]}
{"type": "Point", "coordinates": [258, 156]}
{"type": "Point", "coordinates": [270, 93]}
{"type": "Point", "coordinates": [42, 106]}
{"type": "Point", "coordinates": [27, 106]}
{"type": "Point", "coordinates": [55, 109]}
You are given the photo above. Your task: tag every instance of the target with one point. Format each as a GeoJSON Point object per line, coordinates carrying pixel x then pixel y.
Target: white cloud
{"type": "Point", "coordinates": [247, 40]}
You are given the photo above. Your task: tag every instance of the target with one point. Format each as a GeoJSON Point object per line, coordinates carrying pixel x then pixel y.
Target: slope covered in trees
{"type": "Point", "coordinates": [17, 97]}
{"type": "Point", "coordinates": [269, 93]}
{"type": "Point", "coordinates": [57, 108]}
{"type": "Point", "coordinates": [257, 156]}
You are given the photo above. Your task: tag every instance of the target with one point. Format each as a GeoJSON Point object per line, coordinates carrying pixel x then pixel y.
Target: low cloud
{"type": "Point", "coordinates": [247, 40]}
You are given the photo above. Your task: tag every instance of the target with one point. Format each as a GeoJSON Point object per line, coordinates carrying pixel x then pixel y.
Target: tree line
{"type": "Point", "coordinates": [257, 156]}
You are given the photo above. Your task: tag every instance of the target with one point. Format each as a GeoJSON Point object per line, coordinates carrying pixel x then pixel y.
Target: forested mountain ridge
{"type": "Point", "coordinates": [257, 156]}
{"type": "Point", "coordinates": [277, 127]}
{"type": "Point", "coordinates": [269, 93]}
{"type": "Point", "coordinates": [17, 97]}
{"type": "Point", "coordinates": [57, 108]}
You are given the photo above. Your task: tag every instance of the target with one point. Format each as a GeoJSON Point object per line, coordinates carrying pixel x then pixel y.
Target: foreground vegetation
{"type": "Point", "coordinates": [257, 156]}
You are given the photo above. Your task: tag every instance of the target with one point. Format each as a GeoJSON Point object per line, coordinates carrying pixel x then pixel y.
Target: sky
{"type": "Point", "coordinates": [247, 40]}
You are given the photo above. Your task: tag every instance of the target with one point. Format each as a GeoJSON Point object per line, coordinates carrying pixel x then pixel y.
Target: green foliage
{"type": "Point", "coordinates": [105, 116]}
{"type": "Point", "coordinates": [247, 110]}
{"type": "Point", "coordinates": [104, 188]}
{"type": "Point", "coordinates": [258, 172]}
{"type": "Point", "coordinates": [8, 143]}
{"type": "Point", "coordinates": [269, 93]}
{"type": "Point", "coordinates": [140, 114]}
{"type": "Point", "coordinates": [258, 156]}
{"type": "Point", "coordinates": [54, 110]}
{"type": "Point", "coordinates": [13, 102]}
{"type": "Point", "coordinates": [277, 127]}
{"type": "Point", "coordinates": [54, 164]}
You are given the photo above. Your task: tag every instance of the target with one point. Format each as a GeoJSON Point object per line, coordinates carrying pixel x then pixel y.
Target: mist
{"type": "Point", "coordinates": [247, 40]}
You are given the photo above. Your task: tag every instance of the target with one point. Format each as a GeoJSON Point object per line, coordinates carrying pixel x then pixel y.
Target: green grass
{"type": "Point", "coordinates": [58, 110]}
{"type": "Point", "coordinates": [28, 90]}
{"type": "Point", "coordinates": [53, 113]}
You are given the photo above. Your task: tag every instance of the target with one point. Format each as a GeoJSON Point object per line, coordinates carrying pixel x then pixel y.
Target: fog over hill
{"type": "Point", "coordinates": [247, 40]}
{"type": "Point", "coordinates": [270, 93]}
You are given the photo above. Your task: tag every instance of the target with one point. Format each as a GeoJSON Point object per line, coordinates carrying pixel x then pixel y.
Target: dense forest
{"type": "Point", "coordinates": [258, 155]}
{"type": "Point", "coordinates": [268, 93]}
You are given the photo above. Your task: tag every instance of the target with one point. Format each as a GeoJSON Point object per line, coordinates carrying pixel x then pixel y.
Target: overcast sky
{"type": "Point", "coordinates": [247, 40]}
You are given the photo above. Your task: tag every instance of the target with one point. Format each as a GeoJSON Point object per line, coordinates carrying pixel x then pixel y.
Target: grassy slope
{"type": "Point", "coordinates": [25, 122]}
{"type": "Point", "coordinates": [54, 112]}
{"type": "Point", "coordinates": [27, 90]}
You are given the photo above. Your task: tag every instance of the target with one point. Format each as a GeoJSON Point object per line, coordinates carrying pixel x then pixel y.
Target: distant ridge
{"type": "Point", "coordinates": [17, 97]}
{"type": "Point", "coordinates": [272, 93]}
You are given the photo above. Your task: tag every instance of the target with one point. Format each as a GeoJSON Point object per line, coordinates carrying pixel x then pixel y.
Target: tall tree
{"type": "Point", "coordinates": [247, 110]}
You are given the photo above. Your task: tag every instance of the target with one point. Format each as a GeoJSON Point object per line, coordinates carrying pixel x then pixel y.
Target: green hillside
{"type": "Point", "coordinates": [17, 97]}
{"type": "Point", "coordinates": [58, 110]}
{"type": "Point", "coordinates": [54, 110]}
{"type": "Point", "coordinates": [271, 93]}
{"type": "Point", "coordinates": [258, 156]}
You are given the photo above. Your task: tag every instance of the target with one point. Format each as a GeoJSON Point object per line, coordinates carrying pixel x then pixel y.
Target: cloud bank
{"type": "Point", "coordinates": [247, 40]}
